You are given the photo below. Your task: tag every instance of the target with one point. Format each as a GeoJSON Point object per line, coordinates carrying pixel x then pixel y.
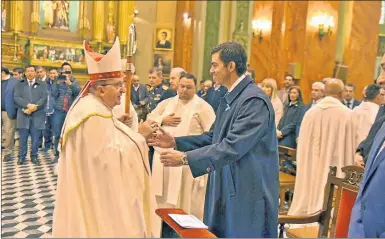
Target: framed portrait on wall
{"type": "Point", "coordinates": [163, 61]}
{"type": "Point", "coordinates": [164, 38]}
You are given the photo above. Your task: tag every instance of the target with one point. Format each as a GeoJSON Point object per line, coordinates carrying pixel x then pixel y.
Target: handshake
{"type": "Point", "coordinates": [30, 109]}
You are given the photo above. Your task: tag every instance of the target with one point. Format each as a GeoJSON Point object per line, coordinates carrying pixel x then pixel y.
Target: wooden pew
{"type": "Point", "coordinates": [170, 225]}
{"type": "Point", "coordinates": [286, 179]}
{"type": "Point", "coordinates": [334, 218]}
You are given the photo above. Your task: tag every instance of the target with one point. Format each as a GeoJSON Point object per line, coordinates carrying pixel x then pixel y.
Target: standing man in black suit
{"type": "Point", "coordinates": [139, 97]}
{"type": "Point", "coordinates": [214, 95]}
{"type": "Point", "coordinates": [349, 100]}
{"type": "Point", "coordinates": [30, 98]}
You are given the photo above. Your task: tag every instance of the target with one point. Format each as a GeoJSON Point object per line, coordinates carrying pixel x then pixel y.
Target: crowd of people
{"type": "Point", "coordinates": [211, 151]}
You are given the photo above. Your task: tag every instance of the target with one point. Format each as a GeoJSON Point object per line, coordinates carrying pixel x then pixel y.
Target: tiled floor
{"type": "Point", "coordinates": [27, 197]}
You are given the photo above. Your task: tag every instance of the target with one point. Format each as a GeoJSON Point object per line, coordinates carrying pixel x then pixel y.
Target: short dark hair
{"type": "Point", "coordinates": [164, 33]}
{"type": "Point", "coordinates": [66, 64]}
{"type": "Point", "coordinates": [51, 69]}
{"type": "Point", "coordinates": [5, 70]}
{"type": "Point", "coordinates": [40, 67]}
{"type": "Point", "coordinates": [372, 91]}
{"type": "Point", "coordinates": [202, 81]}
{"type": "Point", "coordinates": [351, 85]}
{"type": "Point", "coordinates": [232, 51]}
{"type": "Point", "coordinates": [188, 76]}
{"type": "Point", "coordinates": [30, 66]}
{"type": "Point", "coordinates": [286, 75]}
{"type": "Point", "coordinates": [19, 70]}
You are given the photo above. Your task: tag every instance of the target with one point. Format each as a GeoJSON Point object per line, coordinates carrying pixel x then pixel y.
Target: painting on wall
{"type": "Point", "coordinates": [62, 15]}
{"type": "Point", "coordinates": [55, 53]}
{"type": "Point", "coordinates": [163, 61]}
{"type": "Point", "coordinates": [163, 38]}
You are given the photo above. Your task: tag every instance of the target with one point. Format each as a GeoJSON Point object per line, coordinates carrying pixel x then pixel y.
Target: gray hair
{"type": "Point", "coordinates": [320, 85]}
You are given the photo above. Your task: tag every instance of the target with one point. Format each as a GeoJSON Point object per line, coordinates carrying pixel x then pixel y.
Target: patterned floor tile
{"type": "Point", "coordinates": [27, 197]}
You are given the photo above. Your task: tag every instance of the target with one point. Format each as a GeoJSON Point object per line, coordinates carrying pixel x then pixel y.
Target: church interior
{"type": "Point", "coordinates": [293, 48]}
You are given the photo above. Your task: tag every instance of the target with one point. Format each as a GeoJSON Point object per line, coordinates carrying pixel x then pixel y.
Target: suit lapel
{"type": "Point", "coordinates": [375, 160]}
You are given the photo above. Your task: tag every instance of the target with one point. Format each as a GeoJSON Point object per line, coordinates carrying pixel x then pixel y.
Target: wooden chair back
{"type": "Point", "coordinates": [340, 195]}
{"type": "Point", "coordinates": [286, 154]}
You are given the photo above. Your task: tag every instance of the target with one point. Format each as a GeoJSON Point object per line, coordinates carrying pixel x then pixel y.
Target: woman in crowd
{"type": "Point", "coordinates": [269, 85]}
{"type": "Point", "coordinates": [291, 114]}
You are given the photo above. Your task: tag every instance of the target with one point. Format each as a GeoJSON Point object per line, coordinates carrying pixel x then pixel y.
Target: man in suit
{"type": "Point", "coordinates": [8, 111]}
{"type": "Point", "coordinates": [368, 218]}
{"type": "Point", "coordinates": [283, 94]}
{"type": "Point", "coordinates": [349, 100]}
{"type": "Point", "coordinates": [317, 94]}
{"type": "Point", "coordinates": [46, 133]}
{"type": "Point", "coordinates": [163, 42]}
{"type": "Point", "coordinates": [239, 153]}
{"type": "Point", "coordinates": [201, 91]}
{"type": "Point", "coordinates": [139, 97]}
{"type": "Point", "coordinates": [30, 98]}
{"type": "Point", "coordinates": [214, 95]}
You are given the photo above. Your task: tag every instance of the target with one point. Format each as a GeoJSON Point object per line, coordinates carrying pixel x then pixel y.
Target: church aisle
{"type": "Point", "coordinates": [28, 197]}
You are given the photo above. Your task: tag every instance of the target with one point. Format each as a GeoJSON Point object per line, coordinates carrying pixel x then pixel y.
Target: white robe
{"type": "Point", "coordinates": [175, 186]}
{"type": "Point", "coordinates": [104, 187]}
{"type": "Point", "coordinates": [364, 116]}
{"type": "Point", "coordinates": [119, 110]}
{"type": "Point", "coordinates": [326, 138]}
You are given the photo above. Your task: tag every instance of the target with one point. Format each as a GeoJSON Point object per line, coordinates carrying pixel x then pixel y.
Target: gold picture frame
{"type": "Point", "coordinates": [164, 38]}
{"type": "Point", "coordinates": [163, 61]}
{"type": "Point", "coordinates": [53, 53]}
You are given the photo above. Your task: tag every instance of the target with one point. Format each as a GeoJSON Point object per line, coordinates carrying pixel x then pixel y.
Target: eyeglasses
{"type": "Point", "coordinates": [116, 85]}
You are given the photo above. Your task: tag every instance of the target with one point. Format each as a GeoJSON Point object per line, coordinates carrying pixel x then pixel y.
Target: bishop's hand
{"type": "Point", "coordinates": [163, 140]}
{"type": "Point", "coordinates": [147, 128]}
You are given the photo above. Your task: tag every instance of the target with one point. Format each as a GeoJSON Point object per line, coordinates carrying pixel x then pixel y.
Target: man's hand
{"type": "Point", "coordinates": [164, 140]}
{"type": "Point", "coordinates": [172, 158]}
{"type": "Point", "coordinates": [27, 111]}
{"type": "Point", "coordinates": [359, 160]}
{"type": "Point", "coordinates": [279, 134]}
{"type": "Point", "coordinates": [147, 128]}
{"type": "Point", "coordinates": [142, 102]}
{"type": "Point", "coordinates": [126, 119]}
{"type": "Point", "coordinates": [32, 107]}
{"type": "Point", "coordinates": [171, 120]}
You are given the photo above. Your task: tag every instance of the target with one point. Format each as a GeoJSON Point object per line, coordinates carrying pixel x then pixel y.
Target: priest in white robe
{"type": "Point", "coordinates": [365, 114]}
{"type": "Point", "coordinates": [182, 115]}
{"type": "Point", "coordinates": [326, 138]}
{"type": "Point", "coordinates": [104, 187]}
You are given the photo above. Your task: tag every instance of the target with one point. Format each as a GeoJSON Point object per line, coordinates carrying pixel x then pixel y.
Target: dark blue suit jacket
{"type": "Point", "coordinates": [240, 153]}
{"type": "Point", "coordinates": [10, 105]}
{"type": "Point", "coordinates": [143, 94]}
{"type": "Point", "coordinates": [213, 96]}
{"type": "Point", "coordinates": [368, 214]}
{"type": "Point", "coordinates": [24, 96]}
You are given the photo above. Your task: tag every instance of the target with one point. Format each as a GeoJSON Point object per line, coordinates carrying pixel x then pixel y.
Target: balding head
{"type": "Point", "coordinates": [175, 77]}
{"type": "Point", "coordinates": [334, 88]}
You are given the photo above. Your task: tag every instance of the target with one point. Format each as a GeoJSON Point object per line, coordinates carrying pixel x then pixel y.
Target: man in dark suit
{"type": "Point", "coordinates": [317, 94]}
{"type": "Point", "coordinates": [30, 98]}
{"type": "Point", "coordinates": [214, 95]}
{"type": "Point", "coordinates": [139, 97]}
{"type": "Point", "coordinates": [368, 218]}
{"type": "Point", "coordinates": [349, 100]}
{"type": "Point", "coordinates": [8, 112]}
{"type": "Point", "coordinates": [239, 153]}
{"type": "Point", "coordinates": [163, 42]}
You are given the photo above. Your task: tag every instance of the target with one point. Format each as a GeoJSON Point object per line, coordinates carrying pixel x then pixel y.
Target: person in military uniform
{"type": "Point", "coordinates": [157, 89]}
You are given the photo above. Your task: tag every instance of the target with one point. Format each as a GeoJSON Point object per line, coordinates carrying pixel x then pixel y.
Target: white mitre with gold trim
{"type": "Point", "coordinates": [101, 66]}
